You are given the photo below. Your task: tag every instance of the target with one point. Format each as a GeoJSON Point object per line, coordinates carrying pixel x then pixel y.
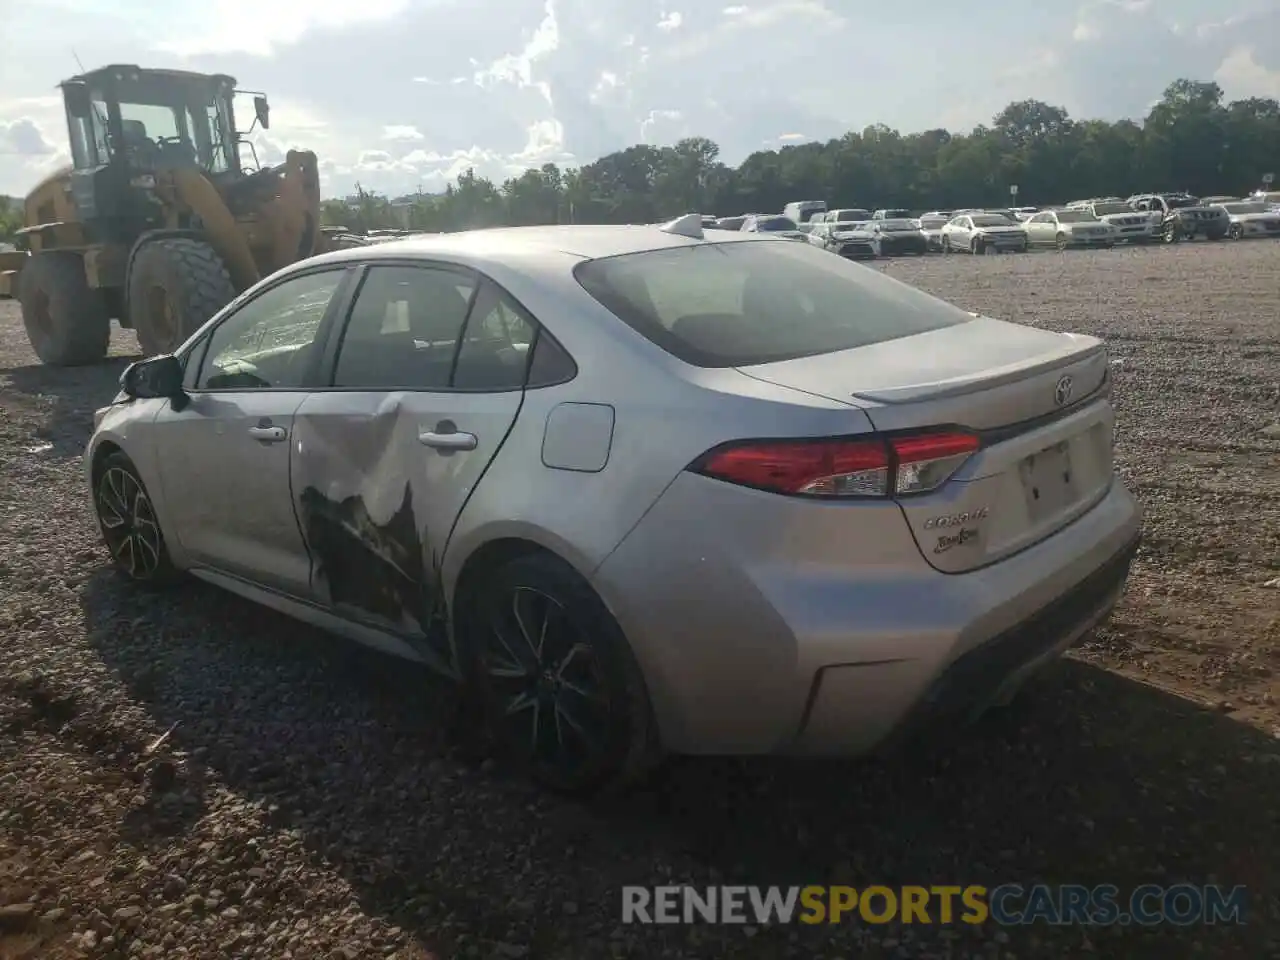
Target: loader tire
{"type": "Point", "coordinates": [66, 319]}
{"type": "Point", "coordinates": [175, 285]}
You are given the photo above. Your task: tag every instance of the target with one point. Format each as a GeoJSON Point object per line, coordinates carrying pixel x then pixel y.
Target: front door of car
{"type": "Point", "coordinates": [224, 456]}
{"type": "Point", "coordinates": [1037, 228]}
{"type": "Point", "coordinates": [428, 377]}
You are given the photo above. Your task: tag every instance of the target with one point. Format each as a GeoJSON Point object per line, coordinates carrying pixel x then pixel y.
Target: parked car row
{"type": "Point", "coordinates": [858, 233]}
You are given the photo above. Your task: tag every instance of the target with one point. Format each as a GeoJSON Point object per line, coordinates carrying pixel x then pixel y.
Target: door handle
{"type": "Point", "coordinates": [268, 434]}
{"type": "Point", "coordinates": [448, 441]}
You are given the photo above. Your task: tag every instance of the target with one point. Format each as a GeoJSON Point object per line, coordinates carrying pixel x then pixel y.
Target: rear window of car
{"type": "Point", "coordinates": [737, 304]}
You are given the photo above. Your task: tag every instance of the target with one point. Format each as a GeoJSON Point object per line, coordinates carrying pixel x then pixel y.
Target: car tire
{"type": "Point", "coordinates": [1171, 232]}
{"type": "Point", "coordinates": [552, 678]}
{"type": "Point", "coordinates": [1237, 232]}
{"type": "Point", "coordinates": [945, 245]}
{"type": "Point", "coordinates": [976, 246]}
{"type": "Point", "coordinates": [1062, 241]}
{"type": "Point", "coordinates": [129, 525]}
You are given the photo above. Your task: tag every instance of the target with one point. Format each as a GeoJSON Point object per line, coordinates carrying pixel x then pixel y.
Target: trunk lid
{"type": "Point", "coordinates": [1039, 400]}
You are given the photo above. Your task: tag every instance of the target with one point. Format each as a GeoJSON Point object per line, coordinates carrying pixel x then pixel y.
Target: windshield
{"type": "Point", "coordinates": [895, 215]}
{"type": "Point", "coordinates": [844, 226]}
{"type": "Point", "coordinates": [731, 223]}
{"type": "Point", "coordinates": [775, 223]}
{"type": "Point", "coordinates": [853, 215]}
{"type": "Point", "coordinates": [992, 220]}
{"type": "Point", "coordinates": [894, 226]}
{"type": "Point", "coordinates": [168, 124]}
{"type": "Point", "coordinates": [932, 223]}
{"type": "Point", "coordinates": [1076, 216]}
{"type": "Point", "coordinates": [736, 304]}
{"type": "Point", "coordinates": [1103, 209]}
{"type": "Point", "coordinates": [1179, 202]}
{"type": "Point", "coordinates": [1247, 208]}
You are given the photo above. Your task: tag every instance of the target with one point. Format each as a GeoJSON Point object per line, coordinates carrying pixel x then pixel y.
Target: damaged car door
{"type": "Point", "coordinates": [420, 400]}
{"type": "Point", "coordinates": [224, 455]}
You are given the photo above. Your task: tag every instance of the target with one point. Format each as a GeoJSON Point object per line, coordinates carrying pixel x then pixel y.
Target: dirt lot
{"type": "Point", "coordinates": [304, 804]}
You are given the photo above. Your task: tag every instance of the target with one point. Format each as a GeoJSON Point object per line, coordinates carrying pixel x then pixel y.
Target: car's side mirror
{"type": "Point", "coordinates": [154, 378]}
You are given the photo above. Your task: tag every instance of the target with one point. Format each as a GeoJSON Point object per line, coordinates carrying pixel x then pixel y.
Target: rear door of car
{"type": "Point", "coordinates": [424, 381]}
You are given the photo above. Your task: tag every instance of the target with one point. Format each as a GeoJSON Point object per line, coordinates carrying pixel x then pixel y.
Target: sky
{"type": "Point", "coordinates": [401, 95]}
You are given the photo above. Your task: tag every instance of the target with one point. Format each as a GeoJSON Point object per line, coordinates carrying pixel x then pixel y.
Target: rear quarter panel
{"type": "Point", "coordinates": [666, 414]}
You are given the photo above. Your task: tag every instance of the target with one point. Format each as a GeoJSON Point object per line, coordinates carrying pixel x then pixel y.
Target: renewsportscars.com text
{"type": "Point", "coordinates": [1008, 905]}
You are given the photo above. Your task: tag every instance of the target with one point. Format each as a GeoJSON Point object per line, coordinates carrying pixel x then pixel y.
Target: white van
{"type": "Point", "coordinates": [801, 212]}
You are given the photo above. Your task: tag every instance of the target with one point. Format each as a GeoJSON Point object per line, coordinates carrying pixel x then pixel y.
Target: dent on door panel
{"type": "Point", "coordinates": [371, 549]}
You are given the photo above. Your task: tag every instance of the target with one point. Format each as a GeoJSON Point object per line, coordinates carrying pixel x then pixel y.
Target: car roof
{"type": "Point", "coordinates": [502, 243]}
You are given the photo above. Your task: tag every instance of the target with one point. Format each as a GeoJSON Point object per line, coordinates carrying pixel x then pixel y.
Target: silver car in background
{"type": "Point", "coordinates": [983, 233]}
{"type": "Point", "coordinates": [1069, 228]}
{"type": "Point", "coordinates": [1251, 218]}
{"type": "Point", "coordinates": [635, 488]}
{"type": "Point", "coordinates": [853, 241]}
{"type": "Point", "coordinates": [931, 226]}
{"type": "Point", "coordinates": [775, 224]}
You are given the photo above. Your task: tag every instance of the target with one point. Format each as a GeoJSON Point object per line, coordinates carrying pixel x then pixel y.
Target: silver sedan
{"type": "Point", "coordinates": [637, 489]}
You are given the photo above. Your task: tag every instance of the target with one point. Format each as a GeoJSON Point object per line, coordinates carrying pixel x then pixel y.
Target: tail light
{"type": "Point", "coordinates": [871, 466]}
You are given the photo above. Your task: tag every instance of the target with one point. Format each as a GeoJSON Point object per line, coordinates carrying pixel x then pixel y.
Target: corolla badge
{"type": "Point", "coordinates": [957, 519]}
{"type": "Point", "coordinates": [1062, 392]}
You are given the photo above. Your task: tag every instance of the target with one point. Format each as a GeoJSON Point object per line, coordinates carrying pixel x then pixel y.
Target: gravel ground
{"type": "Point", "coordinates": [193, 777]}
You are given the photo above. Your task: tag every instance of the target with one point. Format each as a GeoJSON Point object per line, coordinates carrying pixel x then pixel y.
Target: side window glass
{"type": "Point", "coordinates": [551, 362]}
{"type": "Point", "coordinates": [403, 329]}
{"type": "Point", "coordinates": [270, 341]}
{"type": "Point", "coordinates": [495, 349]}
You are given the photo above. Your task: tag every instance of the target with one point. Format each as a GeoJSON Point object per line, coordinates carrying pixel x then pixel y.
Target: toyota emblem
{"type": "Point", "coordinates": [1062, 392]}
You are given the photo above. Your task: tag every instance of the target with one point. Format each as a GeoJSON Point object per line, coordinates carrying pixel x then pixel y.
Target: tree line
{"type": "Point", "coordinates": [10, 217]}
{"type": "Point", "coordinates": [1190, 140]}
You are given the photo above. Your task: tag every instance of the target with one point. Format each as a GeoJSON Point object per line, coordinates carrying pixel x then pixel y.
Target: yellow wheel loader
{"type": "Point", "coordinates": [156, 224]}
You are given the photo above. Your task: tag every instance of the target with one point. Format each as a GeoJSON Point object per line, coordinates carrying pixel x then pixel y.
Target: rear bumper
{"type": "Point", "coordinates": [994, 670]}
{"type": "Point", "coordinates": [758, 636]}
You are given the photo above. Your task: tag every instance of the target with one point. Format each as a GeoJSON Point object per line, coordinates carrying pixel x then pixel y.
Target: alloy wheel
{"type": "Point", "coordinates": [546, 690]}
{"type": "Point", "coordinates": [129, 524]}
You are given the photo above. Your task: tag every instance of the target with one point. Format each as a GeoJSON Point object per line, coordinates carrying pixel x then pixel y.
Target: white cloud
{"type": "Point", "coordinates": [735, 11]}
{"type": "Point", "coordinates": [24, 138]}
{"type": "Point", "coordinates": [259, 28]}
{"type": "Point", "coordinates": [517, 68]}
{"type": "Point", "coordinates": [671, 21]}
{"type": "Point", "coordinates": [1243, 76]}
{"type": "Point", "coordinates": [404, 133]}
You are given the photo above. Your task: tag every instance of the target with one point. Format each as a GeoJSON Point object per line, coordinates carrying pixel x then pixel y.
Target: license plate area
{"type": "Point", "coordinates": [1049, 482]}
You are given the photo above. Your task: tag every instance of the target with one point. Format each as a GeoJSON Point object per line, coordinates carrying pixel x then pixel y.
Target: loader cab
{"type": "Point", "coordinates": [126, 124]}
